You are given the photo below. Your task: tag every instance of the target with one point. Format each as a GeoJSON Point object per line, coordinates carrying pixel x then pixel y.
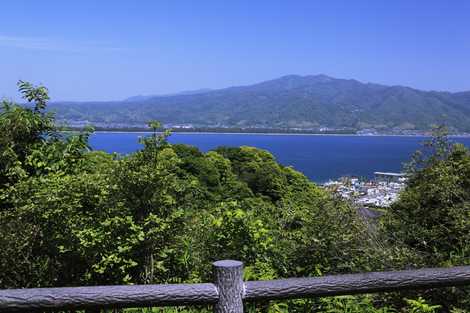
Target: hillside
{"type": "Point", "coordinates": [307, 102]}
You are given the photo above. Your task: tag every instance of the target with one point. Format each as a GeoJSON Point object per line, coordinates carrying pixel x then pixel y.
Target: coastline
{"type": "Point", "coordinates": [261, 132]}
{"type": "Point", "coordinates": [272, 134]}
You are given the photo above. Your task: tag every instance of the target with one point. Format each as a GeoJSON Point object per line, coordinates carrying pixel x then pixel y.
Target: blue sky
{"type": "Point", "coordinates": [106, 50]}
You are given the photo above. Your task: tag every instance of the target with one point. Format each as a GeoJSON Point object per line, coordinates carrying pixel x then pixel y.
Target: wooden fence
{"type": "Point", "coordinates": [227, 292]}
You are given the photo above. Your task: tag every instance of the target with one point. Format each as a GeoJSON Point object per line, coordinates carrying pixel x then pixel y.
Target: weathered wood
{"type": "Point", "coordinates": [357, 283]}
{"type": "Point", "coordinates": [27, 300]}
{"type": "Point", "coordinates": [228, 277]}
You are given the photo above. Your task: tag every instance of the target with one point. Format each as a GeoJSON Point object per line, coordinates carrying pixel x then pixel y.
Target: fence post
{"type": "Point", "coordinates": [228, 277]}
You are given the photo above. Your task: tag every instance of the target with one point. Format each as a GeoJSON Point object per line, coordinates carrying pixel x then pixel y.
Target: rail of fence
{"type": "Point", "coordinates": [227, 292]}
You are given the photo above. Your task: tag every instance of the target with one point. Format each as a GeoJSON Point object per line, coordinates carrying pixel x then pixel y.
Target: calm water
{"type": "Point", "coordinates": [319, 157]}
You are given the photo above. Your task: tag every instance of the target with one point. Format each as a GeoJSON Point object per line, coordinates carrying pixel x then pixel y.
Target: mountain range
{"type": "Point", "coordinates": [291, 102]}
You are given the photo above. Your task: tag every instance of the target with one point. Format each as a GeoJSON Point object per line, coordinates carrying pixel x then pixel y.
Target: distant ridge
{"type": "Point", "coordinates": [188, 92]}
{"type": "Point", "coordinates": [292, 101]}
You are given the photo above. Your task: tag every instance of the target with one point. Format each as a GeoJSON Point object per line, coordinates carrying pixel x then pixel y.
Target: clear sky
{"type": "Point", "coordinates": [112, 49]}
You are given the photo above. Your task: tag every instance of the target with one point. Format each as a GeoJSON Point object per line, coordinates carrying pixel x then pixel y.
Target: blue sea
{"type": "Point", "coordinates": [319, 157]}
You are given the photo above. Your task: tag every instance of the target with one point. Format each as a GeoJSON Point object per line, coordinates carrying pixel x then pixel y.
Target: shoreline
{"type": "Point", "coordinates": [268, 134]}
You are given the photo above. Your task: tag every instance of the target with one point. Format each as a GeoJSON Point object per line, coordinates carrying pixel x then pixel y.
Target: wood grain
{"type": "Point", "coordinates": [15, 300]}
{"type": "Point", "coordinates": [357, 283]}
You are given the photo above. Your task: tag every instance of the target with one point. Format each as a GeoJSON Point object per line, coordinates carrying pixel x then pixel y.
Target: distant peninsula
{"type": "Point", "coordinates": [293, 103]}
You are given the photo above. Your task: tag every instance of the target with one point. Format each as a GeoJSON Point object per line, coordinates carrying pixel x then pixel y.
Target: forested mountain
{"type": "Point", "coordinates": [308, 102]}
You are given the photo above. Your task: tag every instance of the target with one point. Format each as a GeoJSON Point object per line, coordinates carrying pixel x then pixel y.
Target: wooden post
{"type": "Point", "coordinates": [228, 277]}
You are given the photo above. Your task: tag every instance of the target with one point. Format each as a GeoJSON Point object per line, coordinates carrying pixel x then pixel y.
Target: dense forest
{"type": "Point", "coordinates": [293, 101]}
{"type": "Point", "coordinates": [70, 216]}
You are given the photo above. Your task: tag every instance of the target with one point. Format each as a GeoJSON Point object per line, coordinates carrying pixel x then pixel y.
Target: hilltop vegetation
{"type": "Point", "coordinates": [70, 216]}
{"type": "Point", "coordinates": [305, 102]}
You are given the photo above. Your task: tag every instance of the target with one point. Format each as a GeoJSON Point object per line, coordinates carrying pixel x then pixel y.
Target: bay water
{"type": "Point", "coordinates": [319, 157]}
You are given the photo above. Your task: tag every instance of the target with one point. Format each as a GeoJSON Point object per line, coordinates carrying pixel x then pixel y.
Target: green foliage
{"type": "Point", "coordinates": [352, 304]}
{"type": "Point", "coordinates": [161, 214]}
{"type": "Point", "coordinates": [234, 230]}
{"type": "Point", "coordinates": [432, 216]}
{"type": "Point", "coordinates": [70, 216]}
{"type": "Point", "coordinates": [30, 143]}
{"type": "Point", "coordinates": [420, 306]}
{"type": "Point", "coordinates": [39, 95]}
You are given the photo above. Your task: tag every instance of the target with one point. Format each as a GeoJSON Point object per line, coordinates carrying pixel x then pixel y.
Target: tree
{"type": "Point", "coordinates": [30, 143]}
{"type": "Point", "coordinates": [432, 215]}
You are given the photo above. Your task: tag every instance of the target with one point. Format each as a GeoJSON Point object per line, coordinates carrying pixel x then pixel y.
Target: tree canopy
{"type": "Point", "coordinates": [70, 216]}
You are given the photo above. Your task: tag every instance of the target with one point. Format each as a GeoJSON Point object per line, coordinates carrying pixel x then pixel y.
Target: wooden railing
{"type": "Point", "coordinates": [228, 291]}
